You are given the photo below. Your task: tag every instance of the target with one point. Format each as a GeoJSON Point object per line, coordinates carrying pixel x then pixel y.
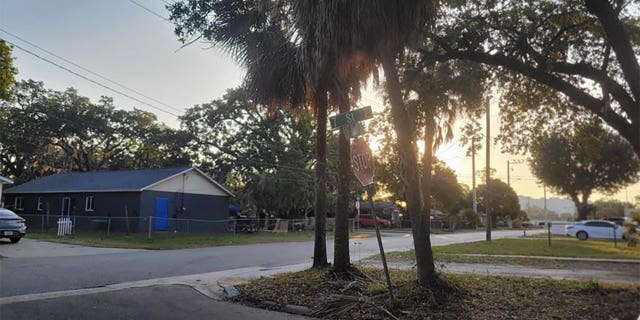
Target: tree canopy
{"type": "Point", "coordinates": [7, 71]}
{"type": "Point", "coordinates": [605, 208]}
{"type": "Point", "coordinates": [53, 131]}
{"type": "Point", "coordinates": [447, 194]}
{"type": "Point", "coordinates": [265, 157]}
{"type": "Point", "coordinates": [580, 162]}
{"type": "Point", "coordinates": [503, 200]}
{"type": "Point", "coordinates": [556, 61]}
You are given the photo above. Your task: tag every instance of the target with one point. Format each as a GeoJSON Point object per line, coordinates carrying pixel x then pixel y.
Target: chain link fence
{"type": "Point", "coordinates": [150, 225]}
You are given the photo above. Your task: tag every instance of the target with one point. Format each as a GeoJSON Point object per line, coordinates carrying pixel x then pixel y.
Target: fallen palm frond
{"type": "Point", "coordinates": [337, 305]}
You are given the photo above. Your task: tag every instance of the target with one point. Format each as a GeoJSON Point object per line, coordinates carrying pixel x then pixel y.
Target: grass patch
{"type": "Point", "coordinates": [165, 241]}
{"type": "Point", "coordinates": [458, 258]}
{"type": "Point", "coordinates": [560, 247]}
{"type": "Point", "coordinates": [453, 297]}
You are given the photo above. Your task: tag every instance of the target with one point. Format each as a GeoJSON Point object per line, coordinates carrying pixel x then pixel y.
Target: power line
{"type": "Point", "coordinates": [87, 70]}
{"type": "Point", "coordinates": [91, 80]}
{"type": "Point", "coordinates": [149, 10]}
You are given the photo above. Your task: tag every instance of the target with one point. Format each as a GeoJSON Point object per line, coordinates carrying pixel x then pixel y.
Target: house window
{"type": "Point", "coordinates": [40, 203]}
{"type": "Point", "coordinates": [88, 204]}
{"type": "Point", "coordinates": [17, 203]}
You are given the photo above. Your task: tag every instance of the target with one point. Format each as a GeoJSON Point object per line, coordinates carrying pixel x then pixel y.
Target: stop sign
{"type": "Point", "coordinates": [362, 161]}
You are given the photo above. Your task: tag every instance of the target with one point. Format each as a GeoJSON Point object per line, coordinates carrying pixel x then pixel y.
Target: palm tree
{"type": "Point", "coordinates": [257, 34]}
{"type": "Point", "coordinates": [379, 31]}
{"type": "Point", "coordinates": [344, 70]}
{"type": "Point", "coordinates": [443, 92]}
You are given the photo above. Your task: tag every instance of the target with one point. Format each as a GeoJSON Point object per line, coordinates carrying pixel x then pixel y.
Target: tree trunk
{"type": "Point", "coordinates": [320, 244]}
{"type": "Point", "coordinates": [583, 211]}
{"type": "Point", "coordinates": [406, 144]}
{"type": "Point", "coordinates": [427, 166]}
{"type": "Point", "coordinates": [341, 259]}
{"type": "Point", "coordinates": [582, 207]}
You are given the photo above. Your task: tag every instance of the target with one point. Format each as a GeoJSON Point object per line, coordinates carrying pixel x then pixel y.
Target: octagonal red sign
{"type": "Point", "coordinates": [362, 161]}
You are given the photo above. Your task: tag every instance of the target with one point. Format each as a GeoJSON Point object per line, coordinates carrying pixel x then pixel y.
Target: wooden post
{"type": "Point", "coordinates": [126, 215]}
{"type": "Point", "coordinates": [549, 233]}
{"type": "Point", "coordinates": [150, 224]}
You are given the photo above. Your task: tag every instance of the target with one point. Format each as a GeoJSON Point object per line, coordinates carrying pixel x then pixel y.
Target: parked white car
{"type": "Point", "coordinates": [597, 229]}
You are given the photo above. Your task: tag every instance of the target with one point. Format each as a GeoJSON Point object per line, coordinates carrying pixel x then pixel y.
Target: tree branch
{"type": "Point", "coordinates": [574, 93]}
{"type": "Point", "coordinates": [617, 91]}
{"type": "Point", "coordinates": [619, 39]}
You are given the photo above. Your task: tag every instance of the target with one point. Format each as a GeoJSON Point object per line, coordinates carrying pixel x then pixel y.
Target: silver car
{"type": "Point", "coordinates": [12, 226]}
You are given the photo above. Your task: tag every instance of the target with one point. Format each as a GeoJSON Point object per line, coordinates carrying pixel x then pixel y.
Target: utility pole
{"type": "Point", "coordinates": [544, 191]}
{"type": "Point", "coordinates": [473, 175]}
{"type": "Point", "coordinates": [488, 174]}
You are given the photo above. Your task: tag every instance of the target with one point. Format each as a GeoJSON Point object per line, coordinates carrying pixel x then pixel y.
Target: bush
{"type": "Point", "coordinates": [516, 223]}
{"type": "Point", "coordinates": [470, 219]}
{"type": "Point", "coordinates": [630, 234]}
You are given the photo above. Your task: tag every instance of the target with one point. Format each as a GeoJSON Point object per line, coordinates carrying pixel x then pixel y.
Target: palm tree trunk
{"type": "Point", "coordinates": [341, 259]}
{"type": "Point", "coordinates": [409, 174]}
{"type": "Point", "coordinates": [320, 244]}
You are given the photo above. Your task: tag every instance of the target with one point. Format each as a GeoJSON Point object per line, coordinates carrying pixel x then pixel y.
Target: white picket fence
{"type": "Point", "coordinates": [65, 226]}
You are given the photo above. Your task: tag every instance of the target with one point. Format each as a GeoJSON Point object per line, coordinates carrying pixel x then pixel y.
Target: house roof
{"type": "Point", "coordinates": [104, 181]}
{"type": "Point", "coordinates": [4, 180]}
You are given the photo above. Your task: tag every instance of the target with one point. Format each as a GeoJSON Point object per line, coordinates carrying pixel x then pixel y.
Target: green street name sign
{"type": "Point", "coordinates": [351, 117]}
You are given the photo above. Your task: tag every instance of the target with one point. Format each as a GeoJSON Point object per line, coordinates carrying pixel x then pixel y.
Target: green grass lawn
{"type": "Point", "coordinates": [164, 241]}
{"type": "Point", "coordinates": [560, 247]}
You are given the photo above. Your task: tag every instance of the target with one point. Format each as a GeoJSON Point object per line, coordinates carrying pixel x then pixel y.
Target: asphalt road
{"type": "Point", "coordinates": [54, 271]}
{"type": "Point", "coordinates": [154, 302]}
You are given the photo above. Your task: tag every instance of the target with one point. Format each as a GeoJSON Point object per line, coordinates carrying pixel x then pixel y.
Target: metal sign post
{"type": "Point", "coordinates": [363, 166]}
{"type": "Point", "coordinates": [358, 215]}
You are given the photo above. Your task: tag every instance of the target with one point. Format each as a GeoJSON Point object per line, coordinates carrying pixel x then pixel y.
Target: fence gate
{"type": "Point", "coordinates": [65, 226]}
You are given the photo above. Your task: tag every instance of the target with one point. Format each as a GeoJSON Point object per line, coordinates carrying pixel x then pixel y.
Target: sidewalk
{"type": "Point", "coordinates": [596, 269]}
{"type": "Point", "coordinates": [546, 257]}
{"type": "Point", "coordinates": [157, 302]}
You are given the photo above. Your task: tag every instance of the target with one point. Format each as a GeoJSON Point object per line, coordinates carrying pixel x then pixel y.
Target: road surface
{"type": "Point", "coordinates": [67, 267]}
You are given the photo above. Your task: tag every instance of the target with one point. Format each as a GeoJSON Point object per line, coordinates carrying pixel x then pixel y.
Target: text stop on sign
{"type": "Point", "coordinates": [362, 161]}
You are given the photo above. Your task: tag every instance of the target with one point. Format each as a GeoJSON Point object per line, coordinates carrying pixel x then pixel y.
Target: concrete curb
{"type": "Point", "coordinates": [546, 257]}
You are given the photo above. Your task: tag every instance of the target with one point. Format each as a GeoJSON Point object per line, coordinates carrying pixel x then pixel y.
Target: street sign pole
{"type": "Point", "coordinates": [358, 215]}
{"type": "Point", "coordinates": [363, 166]}
{"type": "Point", "coordinates": [382, 255]}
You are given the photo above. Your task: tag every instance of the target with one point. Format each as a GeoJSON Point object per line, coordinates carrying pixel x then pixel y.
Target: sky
{"type": "Point", "coordinates": [128, 44]}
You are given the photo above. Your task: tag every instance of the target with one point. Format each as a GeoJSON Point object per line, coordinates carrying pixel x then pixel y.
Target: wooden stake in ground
{"type": "Point", "coordinates": [363, 167]}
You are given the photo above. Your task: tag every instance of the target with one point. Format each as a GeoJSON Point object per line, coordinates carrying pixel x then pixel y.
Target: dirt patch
{"type": "Point", "coordinates": [452, 297]}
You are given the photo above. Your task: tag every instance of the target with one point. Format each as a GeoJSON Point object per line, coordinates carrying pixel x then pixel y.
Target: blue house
{"type": "Point", "coordinates": [132, 198]}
